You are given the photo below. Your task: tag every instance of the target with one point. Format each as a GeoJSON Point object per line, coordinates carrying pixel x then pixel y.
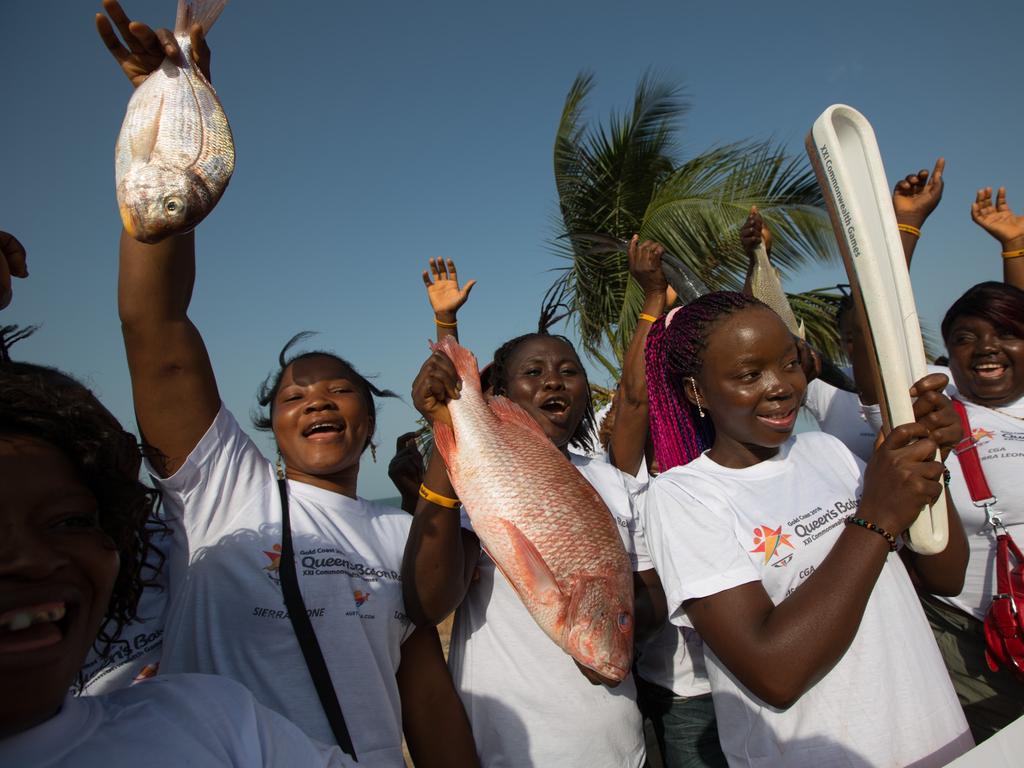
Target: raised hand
{"type": "Point", "coordinates": [916, 195]}
{"type": "Point", "coordinates": [998, 220]}
{"type": "Point", "coordinates": [12, 264]}
{"type": "Point", "coordinates": [443, 291]}
{"type": "Point", "coordinates": [753, 232]}
{"type": "Point", "coordinates": [144, 50]}
{"type": "Point", "coordinates": [645, 266]}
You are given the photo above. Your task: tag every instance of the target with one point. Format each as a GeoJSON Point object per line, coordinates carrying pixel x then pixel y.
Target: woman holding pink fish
{"type": "Point", "coordinates": [238, 524]}
{"type": "Point", "coordinates": [551, 583]}
{"type": "Point", "coordinates": [781, 550]}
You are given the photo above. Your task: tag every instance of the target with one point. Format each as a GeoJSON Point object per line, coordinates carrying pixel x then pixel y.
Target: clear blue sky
{"type": "Point", "coordinates": [371, 136]}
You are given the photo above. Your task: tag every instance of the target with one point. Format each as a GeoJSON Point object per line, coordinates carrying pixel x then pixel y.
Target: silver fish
{"type": "Point", "coordinates": [766, 285]}
{"type": "Point", "coordinates": [175, 154]}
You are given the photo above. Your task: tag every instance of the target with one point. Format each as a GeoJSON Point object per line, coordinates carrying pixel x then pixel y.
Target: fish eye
{"type": "Point", "coordinates": [173, 205]}
{"type": "Point", "coordinates": [625, 621]}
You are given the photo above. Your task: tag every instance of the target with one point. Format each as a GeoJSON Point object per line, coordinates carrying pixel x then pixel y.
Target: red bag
{"type": "Point", "coordinates": [1004, 622]}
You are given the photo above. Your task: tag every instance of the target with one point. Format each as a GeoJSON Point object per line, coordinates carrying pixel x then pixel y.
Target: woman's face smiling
{"type": "Point", "coordinates": [751, 385]}
{"type": "Point", "coordinates": [546, 379]}
{"type": "Point", "coordinates": [57, 573]}
{"type": "Point", "coordinates": [987, 362]}
{"type": "Point", "coordinates": [321, 423]}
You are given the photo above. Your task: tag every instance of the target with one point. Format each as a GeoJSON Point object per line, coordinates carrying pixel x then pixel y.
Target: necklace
{"type": "Point", "coordinates": [1006, 413]}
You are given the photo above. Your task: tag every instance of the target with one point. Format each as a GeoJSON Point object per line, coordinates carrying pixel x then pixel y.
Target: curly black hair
{"type": "Point", "coordinates": [267, 391]}
{"type": "Point", "coordinates": [48, 405]}
{"type": "Point", "coordinates": [498, 375]}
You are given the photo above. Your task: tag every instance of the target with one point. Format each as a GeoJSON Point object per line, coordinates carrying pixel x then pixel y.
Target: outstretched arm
{"type": "Point", "coordinates": [173, 386]}
{"type": "Point", "coordinates": [1004, 225]}
{"type": "Point", "coordinates": [913, 199]}
{"type": "Point", "coordinates": [629, 434]}
{"type": "Point", "coordinates": [440, 556]}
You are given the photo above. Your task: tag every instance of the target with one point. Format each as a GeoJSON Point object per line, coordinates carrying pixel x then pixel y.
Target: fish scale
{"type": "Point", "coordinates": [175, 153]}
{"type": "Point", "coordinates": [541, 522]}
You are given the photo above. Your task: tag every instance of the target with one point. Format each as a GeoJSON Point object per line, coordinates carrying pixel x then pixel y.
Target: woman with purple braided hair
{"type": "Point", "coordinates": [780, 550]}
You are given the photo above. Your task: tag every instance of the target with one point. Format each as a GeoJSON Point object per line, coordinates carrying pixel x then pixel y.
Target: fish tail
{"type": "Point", "coordinates": [201, 12]}
{"type": "Point", "coordinates": [464, 360]}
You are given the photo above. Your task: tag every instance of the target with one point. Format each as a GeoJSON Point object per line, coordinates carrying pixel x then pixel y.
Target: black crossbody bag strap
{"type": "Point", "coordinates": [306, 635]}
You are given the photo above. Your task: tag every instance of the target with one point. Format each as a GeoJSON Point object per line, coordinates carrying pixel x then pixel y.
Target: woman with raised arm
{"type": "Point", "coordinates": [528, 702]}
{"type": "Point", "coordinates": [780, 550]}
{"type": "Point", "coordinates": [227, 510]}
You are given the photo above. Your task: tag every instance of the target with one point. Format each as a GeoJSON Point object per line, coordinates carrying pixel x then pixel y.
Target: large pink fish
{"type": "Point", "coordinates": [541, 522]}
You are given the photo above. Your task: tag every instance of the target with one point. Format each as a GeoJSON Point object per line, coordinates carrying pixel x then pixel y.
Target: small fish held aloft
{"type": "Point", "coordinates": [175, 154]}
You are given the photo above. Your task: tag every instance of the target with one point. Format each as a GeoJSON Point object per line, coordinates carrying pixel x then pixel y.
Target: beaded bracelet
{"type": "Point", "coordinates": [851, 520]}
{"type": "Point", "coordinates": [1013, 254]}
{"type": "Point", "coordinates": [443, 324]}
{"type": "Point", "coordinates": [648, 318]}
{"type": "Point", "coordinates": [437, 498]}
{"type": "Point", "coordinates": [910, 229]}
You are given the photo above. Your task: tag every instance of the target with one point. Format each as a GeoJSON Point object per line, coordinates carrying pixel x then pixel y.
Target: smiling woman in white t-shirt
{"type": "Point", "coordinates": [227, 614]}
{"type": "Point", "coordinates": [816, 648]}
{"type": "Point", "coordinates": [76, 540]}
{"type": "Point", "coordinates": [984, 335]}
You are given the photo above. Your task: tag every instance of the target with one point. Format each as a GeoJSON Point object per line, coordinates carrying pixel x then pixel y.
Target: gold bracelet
{"type": "Point", "coordinates": [437, 498]}
{"type": "Point", "coordinates": [648, 318]}
{"type": "Point", "coordinates": [1013, 254]}
{"type": "Point", "coordinates": [909, 229]}
{"type": "Point", "coordinates": [443, 324]}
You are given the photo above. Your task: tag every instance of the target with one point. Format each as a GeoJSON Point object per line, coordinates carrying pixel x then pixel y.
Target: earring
{"type": "Point", "coordinates": [280, 467]}
{"type": "Point", "coordinates": [696, 396]}
{"type": "Point", "coordinates": [373, 451]}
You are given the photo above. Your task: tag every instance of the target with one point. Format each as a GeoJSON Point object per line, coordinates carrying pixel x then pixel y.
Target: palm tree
{"type": "Point", "coordinates": [625, 178]}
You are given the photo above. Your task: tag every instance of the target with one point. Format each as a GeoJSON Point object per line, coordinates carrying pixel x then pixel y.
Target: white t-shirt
{"type": "Point", "coordinates": [840, 414]}
{"type": "Point", "coordinates": [888, 701]}
{"type": "Point", "coordinates": [1000, 440]}
{"type": "Point", "coordinates": [138, 657]}
{"type": "Point", "coordinates": [674, 659]}
{"type": "Point", "coordinates": [227, 615]}
{"type": "Point", "coordinates": [167, 722]}
{"type": "Point", "coordinates": [527, 702]}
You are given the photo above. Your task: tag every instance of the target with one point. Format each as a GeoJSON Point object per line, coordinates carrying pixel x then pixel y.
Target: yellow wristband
{"type": "Point", "coordinates": [436, 498]}
{"type": "Point", "coordinates": [648, 318]}
{"type": "Point", "coordinates": [1013, 254]}
{"type": "Point", "coordinates": [909, 229]}
{"type": "Point", "coordinates": [443, 324]}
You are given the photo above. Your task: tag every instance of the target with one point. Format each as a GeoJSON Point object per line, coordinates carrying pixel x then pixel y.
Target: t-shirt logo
{"type": "Point", "coordinates": [769, 541]}
{"type": "Point", "coordinates": [360, 598]}
{"type": "Point", "coordinates": [274, 567]}
{"type": "Point", "coordinates": [980, 434]}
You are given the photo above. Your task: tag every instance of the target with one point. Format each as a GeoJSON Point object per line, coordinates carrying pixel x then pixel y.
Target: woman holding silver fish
{"type": "Point", "coordinates": [528, 703]}
{"type": "Point", "coordinates": [780, 550]}
{"type": "Point", "coordinates": [233, 520]}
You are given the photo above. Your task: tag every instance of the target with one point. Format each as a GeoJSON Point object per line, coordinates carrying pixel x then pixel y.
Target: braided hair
{"type": "Point", "coordinates": [674, 353]}
{"type": "Point", "coordinates": [498, 376]}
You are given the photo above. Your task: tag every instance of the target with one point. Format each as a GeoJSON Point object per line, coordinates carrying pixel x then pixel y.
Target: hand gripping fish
{"type": "Point", "coordinates": [846, 160]}
{"type": "Point", "coordinates": [174, 154]}
{"type": "Point", "coordinates": [541, 522]}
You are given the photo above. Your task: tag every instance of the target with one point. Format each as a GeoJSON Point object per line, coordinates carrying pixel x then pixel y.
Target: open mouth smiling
{"type": "Point", "coordinates": [989, 370]}
{"type": "Point", "coordinates": [34, 627]}
{"type": "Point", "coordinates": [323, 430]}
{"type": "Point", "coordinates": [557, 408]}
{"type": "Point", "coordinates": [779, 420]}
